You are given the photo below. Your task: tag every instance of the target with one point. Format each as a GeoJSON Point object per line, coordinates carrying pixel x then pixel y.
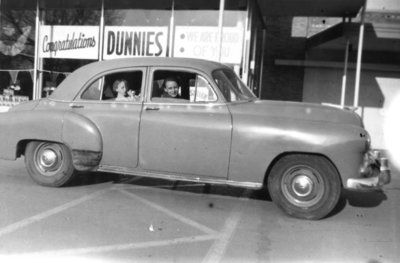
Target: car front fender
{"type": "Point", "coordinates": [256, 144]}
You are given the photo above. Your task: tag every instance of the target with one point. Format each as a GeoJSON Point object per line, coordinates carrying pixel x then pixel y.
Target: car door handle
{"type": "Point", "coordinates": [152, 108]}
{"type": "Point", "coordinates": [77, 106]}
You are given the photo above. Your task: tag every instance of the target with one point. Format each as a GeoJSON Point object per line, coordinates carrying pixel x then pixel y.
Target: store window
{"type": "Point", "coordinates": [233, 32]}
{"type": "Point", "coordinates": [194, 36]}
{"type": "Point", "coordinates": [68, 29]}
{"type": "Point", "coordinates": [197, 37]}
{"type": "Point", "coordinates": [136, 29]}
{"type": "Point", "coordinates": [17, 34]}
{"type": "Point", "coordinates": [252, 67]}
{"type": "Point", "coordinates": [71, 34]}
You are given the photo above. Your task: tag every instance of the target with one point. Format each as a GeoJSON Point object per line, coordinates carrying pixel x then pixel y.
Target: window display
{"type": "Point", "coordinates": [17, 33]}
{"type": "Point", "coordinates": [42, 42]}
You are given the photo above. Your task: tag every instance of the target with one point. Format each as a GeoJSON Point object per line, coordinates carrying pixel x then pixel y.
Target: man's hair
{"type": "Point", "coordinates": [169, 79]}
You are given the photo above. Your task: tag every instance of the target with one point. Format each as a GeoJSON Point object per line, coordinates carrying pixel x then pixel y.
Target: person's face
{"type": "Point", "coordinates": [171, 87]}
{"type": "Point", "coordinates": [121, 88]}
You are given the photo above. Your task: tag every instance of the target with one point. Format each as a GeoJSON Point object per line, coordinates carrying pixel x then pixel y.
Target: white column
{"type": "Point", "coordinates": [101, 36]}
{"type": "Point", "coordinates": [171, 41]}
{"type": "Point", "coordinates": [220, 27]}
{"type": "Point", "coordinates": [264, 38]}
{"type": "Point", "coordinates": [36, 83]}
{"type": "Point", "coordinates": [359, 56]}
{"type": "Point", "coordinates": [344, 78]}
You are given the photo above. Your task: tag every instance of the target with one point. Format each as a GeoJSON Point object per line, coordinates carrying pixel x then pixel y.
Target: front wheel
{"type": "Point", "coordinates": [305, 186]}
{"type": "Point", "coordinates": [49, 164]}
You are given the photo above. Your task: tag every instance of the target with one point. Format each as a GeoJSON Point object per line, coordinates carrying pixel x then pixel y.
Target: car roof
{"type": "Point", "coordinates": [68, 89]}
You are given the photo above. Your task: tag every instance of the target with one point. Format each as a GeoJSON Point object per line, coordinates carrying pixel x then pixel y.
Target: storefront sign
{"type": "Point", "coordinates": [123, 41]}
{"type": "Point", "coordinates": [79, 42]}
{"type": "Point", "coordinates": [203, 42]}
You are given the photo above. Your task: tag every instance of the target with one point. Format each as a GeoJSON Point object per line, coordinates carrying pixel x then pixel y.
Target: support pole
{"type": "Point", "coordinates": [220, 27]}
{"type": "Point", "coordinates": [264, 39]}
{"type": "Point", "coordinates": [36, 83]}
{"type": "Point", "coordinates": [170, 49]}
{"type": "Point", "coordinates": [344, 78]}
{"type": "Point", "coordinates": [101, 36]}
{"type": "Point", "coordinates": [247, 42]}
{"type": "Point", "coordinates": [359, 56]}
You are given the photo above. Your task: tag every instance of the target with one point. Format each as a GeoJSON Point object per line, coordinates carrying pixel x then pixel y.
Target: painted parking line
{"type": "Point", "coordinates": [33, 219]}
{"type": "Point", "coordinates": [172, 214]}
{"type": "Point", "coordinates": [208, 233]}
{"type": "Point", "coordinates": [112, 248]}
{"type": "Point", "coordinates": [215, 253]}
{"type": "Point", "coordinates": [217, 250]}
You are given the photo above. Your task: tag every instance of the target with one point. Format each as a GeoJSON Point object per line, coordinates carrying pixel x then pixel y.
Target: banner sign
{"type": "Point", "coordinates": [79, 42]}
{"type": "Point", "coordinates": [126, 41]}
{"type": "Point", "coordinates": [82, 42]}
{"type": "Point", "coordinates": [203, 42]}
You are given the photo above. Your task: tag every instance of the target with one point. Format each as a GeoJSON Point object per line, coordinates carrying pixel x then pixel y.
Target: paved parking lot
{"type": "Point", "coordinates": [115, 218]}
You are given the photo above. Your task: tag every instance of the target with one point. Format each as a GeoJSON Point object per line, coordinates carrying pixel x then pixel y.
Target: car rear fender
{"type": "Point", "coordinates": [84, 139]}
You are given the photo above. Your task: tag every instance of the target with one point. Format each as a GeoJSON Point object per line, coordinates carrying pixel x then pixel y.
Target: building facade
{"type": "Point", "coordinates": [344, 60]}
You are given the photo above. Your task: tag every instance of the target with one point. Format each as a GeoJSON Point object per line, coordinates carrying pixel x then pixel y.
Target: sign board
{"type": "Point", "coordinates": [126, 41]}
{"type": "Point", "coordinates": [82, 42]}
{"type": "Point", "coordinates": [75, 42]}
{"type": "Point", "coordinates": [203, 42]}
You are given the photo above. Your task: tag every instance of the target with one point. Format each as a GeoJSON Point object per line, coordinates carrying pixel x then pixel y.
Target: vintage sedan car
{"type": "Point", "coordinates": [214, 131]}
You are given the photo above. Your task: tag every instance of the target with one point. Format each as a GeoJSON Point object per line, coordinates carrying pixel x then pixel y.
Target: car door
{"type": "Point", "coordinates": [189, 134]}
{"type": "Point", "coordinates": [118, 121]}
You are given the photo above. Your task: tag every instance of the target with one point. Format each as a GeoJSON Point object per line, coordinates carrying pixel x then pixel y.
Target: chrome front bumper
{"type": "Point", "coordinates": [374, 173]}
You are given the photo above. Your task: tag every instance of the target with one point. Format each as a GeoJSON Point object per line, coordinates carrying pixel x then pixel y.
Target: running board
{"type": "Point", "coordinates": [176, 177]}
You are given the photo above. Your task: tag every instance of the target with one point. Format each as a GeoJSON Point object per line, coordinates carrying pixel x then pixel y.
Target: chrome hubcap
{"type": "Point", "coordinates": [302, 186]}
{"type": "Point", "coordinates": [48, 159]}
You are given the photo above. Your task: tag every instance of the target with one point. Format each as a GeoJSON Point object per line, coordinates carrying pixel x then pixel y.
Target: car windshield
{"type": "Point", "coordinates": [231, 86]}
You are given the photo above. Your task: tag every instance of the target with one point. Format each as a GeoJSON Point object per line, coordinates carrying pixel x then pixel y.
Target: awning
{"type": "Point", "coordinates": [327, 8]}
{"type": "Point", "coordinates": [336, 8]}
{"type": "Point", "coordinates": [148, 4]}
{"type": "Point", "coordinates": [377, 37]}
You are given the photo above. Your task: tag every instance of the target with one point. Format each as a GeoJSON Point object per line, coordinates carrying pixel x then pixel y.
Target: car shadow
{"type": "Point", "coordinates": [358, 199]}
{"type": "Point", "coordinates": [92, 178]}
{"type": "Point", "coordinates": [352, 198]}
{"type": "Point", "coordinates": [365, 199]}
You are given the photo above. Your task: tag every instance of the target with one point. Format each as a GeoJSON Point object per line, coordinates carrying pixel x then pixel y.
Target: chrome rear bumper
{"type": "Point", "coordinates": [374, 173]}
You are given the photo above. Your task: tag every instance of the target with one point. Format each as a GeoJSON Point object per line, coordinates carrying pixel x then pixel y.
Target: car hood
{"type": "Point", "coordinates": [298, 111]}
{"type": "Point", "coordinates": [25, 106]}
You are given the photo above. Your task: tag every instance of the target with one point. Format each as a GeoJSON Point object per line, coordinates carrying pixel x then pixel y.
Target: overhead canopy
{"type": "Point", "coordinates": [326, 8]}
{"type": "Point", "coordinates": [378, 37]}
{"type": "Point", "coordinates": [334, 8]}
{"type": "Point", "coordinates": [148, 4]}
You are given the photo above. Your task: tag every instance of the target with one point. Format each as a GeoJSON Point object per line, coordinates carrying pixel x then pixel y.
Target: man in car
{"type": "Point", "coordinates": [171, 88]}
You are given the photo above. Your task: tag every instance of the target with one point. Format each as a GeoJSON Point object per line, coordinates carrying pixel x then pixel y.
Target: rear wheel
{"type": "Point", "coordinates": [48, 163]}
{"type": "Point", "coordinates": [305, 186]}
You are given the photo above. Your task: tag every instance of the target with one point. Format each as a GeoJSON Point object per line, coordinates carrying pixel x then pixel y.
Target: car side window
{"type": "Point", "coordinates": [93, 92]}
{"type": "Point", "coordinates": [181, 87]}
{"type": "Point", "coordinates": [119, 86]}
{"type": "Point", "coordinates": [201, 91]}
{"type": "Point", "coordinates": [231, 86]}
